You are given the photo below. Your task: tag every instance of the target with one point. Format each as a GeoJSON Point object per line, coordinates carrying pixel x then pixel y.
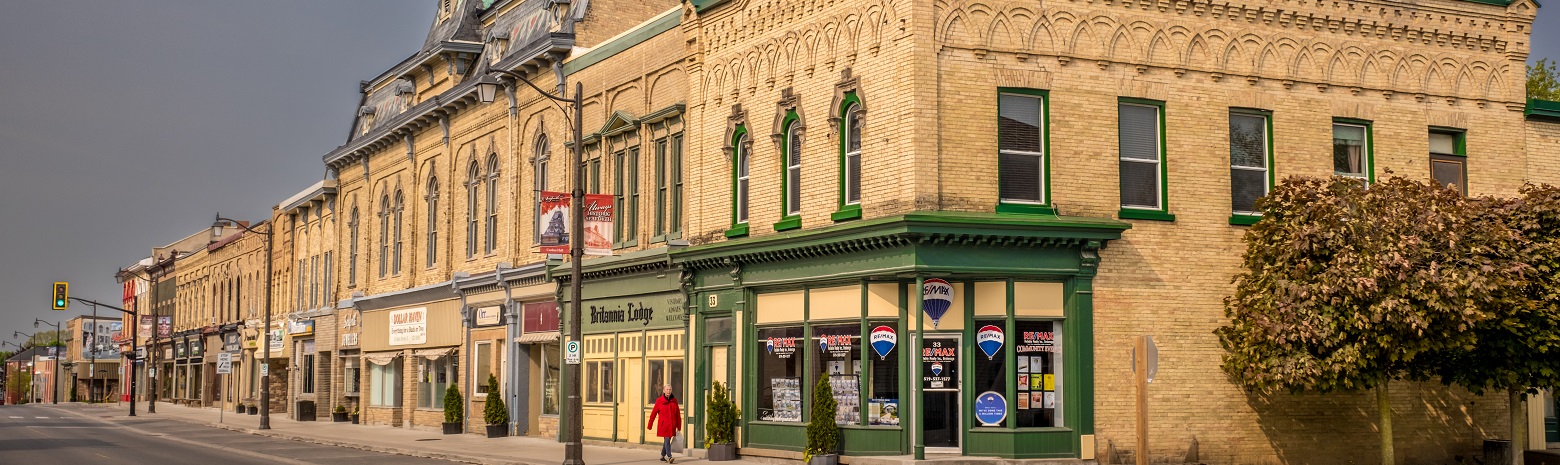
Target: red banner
{"type": "Point", "coordinates": [554, 223]}
{"type": "Point", "coordinates": [598, 224]}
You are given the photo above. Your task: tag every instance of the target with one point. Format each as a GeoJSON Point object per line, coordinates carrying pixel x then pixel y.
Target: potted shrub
{"type": "Point", "coordinates": [238, 408]}
{"type": "Point", "coordinates": [454, 409]}
{"type": "Point", "coordinates": [354, 415]}
{"type": "Point", "coordinates": [253, 409]}
{"type": "Point", "coordinates": [494, 413]}
{"type": "Point", "coordinates": [339, 414]}
{"type": "Point", "coordinates": [823, 434]}
{"type": "Point", "coordinates": [720, 424]}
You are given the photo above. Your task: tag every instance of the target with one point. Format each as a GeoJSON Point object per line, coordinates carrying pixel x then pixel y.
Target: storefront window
{"type": "Point", "coordinates": [483, 367]}
{"type": "Point", "coordinates": [838, 349]}
{"type": "Point", "coordinates": [662, 373]}
{"type": "Point", "coordinates": [436, 376]}
{"type": "Point", "coordinates": [990, 370]}
{"type": "Point", "coordinates": [883, 397]}
{"type": "Point", "coordinates": [384, 384]}
{"type": "Point", "coordinates": [1038, 349]}
{"type": "Point", "coordinates": [307, 366]}
{"type": "Point", "coordinates": [779, 374]}
{"type": "Point", "coordinates": [351, 383]}
{"type": "Point", "coordinates": [550, 377]}
{"type": "Point", "coordinates": [598, 382]}
{"type": "Point", "coordinates": [718, 330]}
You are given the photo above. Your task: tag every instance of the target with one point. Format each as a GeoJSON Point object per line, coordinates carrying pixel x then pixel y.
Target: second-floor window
{"type": "Point", "coordinates": [1351, 149]}
{"type": "Point", "coordinates": [1021, 162]}
{"type": "Point", "coordinates": [1449, 160]}
{"type": "Point", "coordinates": [626, 185]}
{"type": "Point", "coordinates": [668, 186]}
{"type": "Point", "coordinates": [473, 181]}
{"type": "Point", "coordinates": [433, 222]}
{"type": "Point", "coordinates": [400, 205]}
{"type": "Point", "coordinates": [850, 168]}
{"type": "Point", "coordinates": [791, 203]}
{"type": "Point", "coordinates": [352, 247]}
{"type": "Point", "coordinates": [384, 236]}
{"type": "Point", "coordinates": [490, 236]}
{"type": "Point", "coordinates": [740, 181]}
{"type": "Point", "coordinates": [1249, 170]}
{"type": "Point", "coordinates": [540, 178]}
{"type": "Point", "coordinates": [1140, 136]}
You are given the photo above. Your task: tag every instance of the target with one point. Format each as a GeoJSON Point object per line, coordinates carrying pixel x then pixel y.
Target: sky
{"type": "Point", "coordinates": [129, 125]}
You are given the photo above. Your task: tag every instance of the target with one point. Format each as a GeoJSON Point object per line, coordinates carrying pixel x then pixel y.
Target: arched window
{"type": "Point", "coordinates": [792, 203]}
{"type": "Point", "coordinates": [352, 246]}
{"type": "Point", "coordinates": [384, 235]}
{"type": "Point", "coordinates": [540, 176]}
{"type": "Point", "coordinates": [433, 220]}
{"type": "Point", "coordinates": [743, 160]}
{"type": "Point", "coordinates": [490, 235]}
{"type": "Point", "coordinates": [473, 181]}
{"type": "Point", "coordinates": [851, 155]}
{"type": "Point", "coordinates": [400, 205]}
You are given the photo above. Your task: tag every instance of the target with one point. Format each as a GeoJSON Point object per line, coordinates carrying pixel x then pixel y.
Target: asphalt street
{"type": "Point", "coordinates": [74, 435]}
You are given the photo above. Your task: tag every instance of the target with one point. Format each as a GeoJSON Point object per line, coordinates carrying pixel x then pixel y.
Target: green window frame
{"type": "Point", "coordinates": [1238, 169]}
{"type": "Point", "coordinates": [674, 222]}
{"type": "Point", "coordinates": [741, 161]}
{"type": "Point", "coordinates": [661, 190]}
{"type": "Point", "coordinates": [850, 159]}
{"type": "Point", "coordinates": [1012, 148]}
{"type": "Point", "coordinates": [1366, 158]}
{"type": "Point", "coordinates": [1449, 157]}
{"type": "Point", "coordinates": [626, 199]}
{"type": "Point", "coordinates": [790, 173]}
{"type": "Point", "coordinates": [1159, 209]}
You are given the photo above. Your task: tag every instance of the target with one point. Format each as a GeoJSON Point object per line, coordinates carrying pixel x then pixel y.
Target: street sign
{"type": "Point", "coordinates": [1151, 356]}
{"type": "Point", "coordinates": [224, 363]}
{"type": "Point", "coordinates": [571, 353]}
{"type": "Point", "coordinates": [265, 369]}
{"type": "Point", "coordinates": [140, 353]}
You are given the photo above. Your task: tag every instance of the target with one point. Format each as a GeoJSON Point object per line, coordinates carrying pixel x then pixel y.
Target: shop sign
{"type": "Point", "coordinates": [276, 340]}
{"type": "Point", "coordinates": [781, 347]}
{"type": "Point", "coordinates": [349, 339]}
{"type": "Point", "coordinates": [883, 341]}
{"type": "Point", "coordinates": [990, 408]}
{"type": "Point", "coordinates": [409, 327]}
{"type": "Point", "coordinates": [940, 360]}
{"type": "Point", "coordinates": [350, 319]}
{"type": "Point", "coordinates": [230, 342]}
{"type": "Point", "coordinates": [487, 316]}
{"type": "Point", "coordinates": [837, 346]}
{"type": "Point", "coordinates": [634, 313]}
{"type": "Point", "coordinates": [300, 327]}
{"type": "Point", "coordinates": [598, 224]}
{"type": "Point", "coordinates": [1036, 341]}
{"type": "Point", "coordinates": [195, 347]}
{"type": "Point", "coordinates": [936, 298]}
{"type": "Point", "coordinates": [554, 223]}
{"type": "Point", "coordinates": [989, 338]}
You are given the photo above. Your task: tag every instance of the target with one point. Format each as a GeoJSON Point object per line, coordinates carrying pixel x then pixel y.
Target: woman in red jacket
{"type": "Point", "coordinates": [671, 421]}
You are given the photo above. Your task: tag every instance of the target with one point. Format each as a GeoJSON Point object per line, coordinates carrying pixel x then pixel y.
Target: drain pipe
{"type": "Point", "coordinates": [512, 374]}
{"type": "Point", "coordinates": [465, 320]}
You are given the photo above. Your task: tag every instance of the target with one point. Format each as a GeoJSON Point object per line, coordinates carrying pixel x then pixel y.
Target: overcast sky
{"type": "Point", "coordinates": [128, 125]}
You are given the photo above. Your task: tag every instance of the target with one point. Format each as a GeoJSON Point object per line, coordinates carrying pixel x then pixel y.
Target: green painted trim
{"type": "Point", "coordinates": [624, 42]}
{"type": "Point", "coordinates": [736, 167]}
{"type": "Point", "coordinates": [740, 230]}
{"type": "Point", "coordinates": [702, 5]}
{"type": "Point", "coordinates": [846, 213]}
{"type": "Point", "coordinates": [1244, 220]}
{"type": "Point", "coordinates": [1045, 140]}
{"type": "Point", "coordinates": [789, 223]}
{"type": "Point", "coordinates": [1164, 156]}
{"type": "Point", "coordinates": [1137, 214]}
{"type": "Point", "coordinates": [1026, 209]}
{"type": "Point", "coordinates": [851, 100]}
{"type": "Point", "coordinates": [1370, 144]}
{"type": "Point", "coordinates": [785, 154]}
{"type": "Point", "coordinates": [1546, 109]}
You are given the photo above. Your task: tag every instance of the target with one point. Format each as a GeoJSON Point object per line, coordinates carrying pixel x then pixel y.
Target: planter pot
{"type": "Point", "coordinates": [722, 452]}
{"type": "Point", "coordinates": [338, 417]}
{"type": "Point", "coordinates": [452, 428]}
{"type": "Point", "coordinates": [497, 431]}
{"type": "Point", "coordinates": [354, 419]}
{"type": "Point", "coordinates": [831, 459]}
{"type": "Point", "coordinates": [239, 409]}
{"type": "Point", "coordinates": [253, 410]}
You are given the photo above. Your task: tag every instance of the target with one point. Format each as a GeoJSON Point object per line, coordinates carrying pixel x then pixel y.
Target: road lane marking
{"type": "Point", "coordinates": [14, 416]}
{"type": "Point", "coordinates": [42, 418]}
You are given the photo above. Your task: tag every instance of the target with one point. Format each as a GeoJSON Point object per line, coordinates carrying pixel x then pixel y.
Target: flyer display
{"type": "Point", "coordinates": [883, 412]}
{"type": "Point", "coordinates": [847, 398]}
{"type": "Point", "coordinates": [788, 400]}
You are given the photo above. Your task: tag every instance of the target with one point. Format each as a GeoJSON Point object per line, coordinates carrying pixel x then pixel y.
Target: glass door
{"type": "Point", "coordinates": [940, 392]}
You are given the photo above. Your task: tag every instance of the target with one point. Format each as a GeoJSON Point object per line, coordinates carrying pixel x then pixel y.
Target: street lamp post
{"type": "Point", "coordinates": [265, 388]}
{"type": "Point", "coordinates": [54, 384]}
{"type": "Point", "coordinates": [487, 89]}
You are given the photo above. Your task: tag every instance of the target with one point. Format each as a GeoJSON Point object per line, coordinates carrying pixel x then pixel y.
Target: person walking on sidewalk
{"type": "Point", "coordinates": [671, 421]}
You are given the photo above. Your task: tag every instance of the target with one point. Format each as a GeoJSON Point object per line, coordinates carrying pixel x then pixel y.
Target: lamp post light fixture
{"type": "Point", "coordinates": [265, 389]}
{"type": "Point", "coordinates": [487, 90]}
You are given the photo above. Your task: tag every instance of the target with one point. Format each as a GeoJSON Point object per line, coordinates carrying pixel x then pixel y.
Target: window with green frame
{"type": "Point", "coordinates": [1141, 139]}
{"type": "Point", "coordinates": [1022, 164]}
{"type": "Point", "coordinates": [1449, 158]}
{"type": "Point", "coordinates": [1251, 163]}
{"type": "Point", "coordinates": [790, 173]}
{"type": "Point", "coordinates": [850, 159]}
{"type": "Point", "coordinates": [626, 199]}
{"type": "Point", "coordinates": [1353, 154]}
{"type": "Point", "coordinates": [741, 161]}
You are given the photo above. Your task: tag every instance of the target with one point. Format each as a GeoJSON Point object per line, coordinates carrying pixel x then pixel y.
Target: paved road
{"type": "Point", "coordinates": [75, 435]}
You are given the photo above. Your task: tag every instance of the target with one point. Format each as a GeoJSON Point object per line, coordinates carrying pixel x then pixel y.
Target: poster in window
{"type": "Point", "coordinates": [1023, 382]}
{"type": "Point", "coordinates": [1037, 364]}
{"type": "Point", "coordinates": [598, 224]}
{"type": "Point", "coordinates": [1023, 402]}
{"type": "Point", "coordinates": [1036, 382]}
{"type": "Point", "coordinates": [883, 412]}
{"type": "Point", "coordinates": [1050, 400]}
{"type": "Point", "coordinates": [1037, 399]}
{"type": "Point", "coordinates": [940, 361]}
{"type": "Point", "coordinates": [1050, 385]}
{"type": "Point", "coordinates": [1023, 365]}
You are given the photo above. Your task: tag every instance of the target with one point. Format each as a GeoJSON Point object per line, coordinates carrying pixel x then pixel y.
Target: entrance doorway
{"type": "Point", "coordinates": [940, 392]}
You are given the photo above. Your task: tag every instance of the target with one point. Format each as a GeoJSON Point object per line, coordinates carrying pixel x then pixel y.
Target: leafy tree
{"type": "Point", "coordinates": [19, 382]}
{"type": "Point", "coordinates": [1344, 288]}
{"type": "Point", "coordinates": [494, 413]}
{"type": "Point", "coordinates": [823, 434]}
{"type": "Point", "coordinates": [1543, 81]}
{"type": "Point", "coordinates": [454, 409]}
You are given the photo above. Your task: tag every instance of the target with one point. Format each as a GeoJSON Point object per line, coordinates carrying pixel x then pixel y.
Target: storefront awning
{"type": "Point", "coordinates": [382, 358]}
{"type": "Point", "coordinates": [535, 338]}
{"type": "Point", "coordinates": [433, 354]}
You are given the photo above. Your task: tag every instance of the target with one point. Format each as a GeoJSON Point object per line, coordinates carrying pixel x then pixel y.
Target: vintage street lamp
{"type": "Point", "coordinates": [265, 390]}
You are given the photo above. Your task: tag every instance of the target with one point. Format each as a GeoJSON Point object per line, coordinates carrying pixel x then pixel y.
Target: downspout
{"type": "Point", "coordinates": [517, 424]}
{"type": "Point", "coordinates": [466, 316]}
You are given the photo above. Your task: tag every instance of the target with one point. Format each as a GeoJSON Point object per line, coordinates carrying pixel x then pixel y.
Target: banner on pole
{"type": "Point", "coordinates": [554, 223]}
{"type": "Point", "coordinates": [164, 326]}
{"type": "Point", "coordinates": [598, 224]}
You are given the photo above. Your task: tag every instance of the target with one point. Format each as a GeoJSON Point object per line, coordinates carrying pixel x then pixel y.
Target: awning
{"type": "Point", "coordinates": [382, 358]}
{"type": "Point", "coordinates": [539, 337]}
{"type": "Point", "coordinates": [433, 354]}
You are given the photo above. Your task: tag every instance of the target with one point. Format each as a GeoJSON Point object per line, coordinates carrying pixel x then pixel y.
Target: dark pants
{"type": "Point", "coordinates": [666, 447]}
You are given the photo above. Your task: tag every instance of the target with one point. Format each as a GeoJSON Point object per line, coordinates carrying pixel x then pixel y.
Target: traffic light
{"type": "Point", "coordinates": [61, 295]}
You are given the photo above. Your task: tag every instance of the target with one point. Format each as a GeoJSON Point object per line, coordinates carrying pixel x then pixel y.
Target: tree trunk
{"type": "Point", "coordinates": [1518, 426]}
{"type": "Point", "coordinates": [1384, 407]}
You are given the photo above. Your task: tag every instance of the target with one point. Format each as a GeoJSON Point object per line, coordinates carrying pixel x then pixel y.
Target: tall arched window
{"type": "Point", "coordinates": [490, 235]}
{"type": "Point", "coordinates": [384, 235]}
{"type": "Point", "coordinates": [743, 160]}
{"type": "Point", "coordinates": [433, 220]}
{"type": "Point", "coordinates": [851, 155]}
{"type": "Point", "coordinates": [352, 246]}
{"type": "Point", "coordinates": [400, 205]}
{"type": "Point", "coordinates": [540, 176]}
{"type": "Point", "coordinates": [473, 180]}
{"type": "Point", "coordinates": [792, 180]}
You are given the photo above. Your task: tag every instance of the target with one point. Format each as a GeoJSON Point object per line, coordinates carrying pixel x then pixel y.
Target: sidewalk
{"type": "Point", "coordinates": [472, 448]}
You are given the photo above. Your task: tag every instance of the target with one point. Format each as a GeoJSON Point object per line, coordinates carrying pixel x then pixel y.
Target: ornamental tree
{"type": "Point", "coordinates": [1346, 288]}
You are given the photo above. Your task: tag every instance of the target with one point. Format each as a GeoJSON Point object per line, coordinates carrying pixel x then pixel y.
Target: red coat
{"type": "Point", "coordinates": [671, 417]}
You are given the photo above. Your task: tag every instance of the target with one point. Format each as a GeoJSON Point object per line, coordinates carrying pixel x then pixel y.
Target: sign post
{"type": "Point", "coordinates": [224, 367]}
{"type": "Point", "coordinates": [1145, 364]}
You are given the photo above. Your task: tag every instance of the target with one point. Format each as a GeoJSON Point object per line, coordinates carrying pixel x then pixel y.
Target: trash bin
{"type": "Point", "coordinates": [1497, 451]}
{"type": "Point", "coordinates": [305, 410]}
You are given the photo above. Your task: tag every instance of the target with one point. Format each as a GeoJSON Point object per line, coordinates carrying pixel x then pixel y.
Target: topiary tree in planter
{"type": "Point", "coordinates": [720, 424]}
{"type": "Point", "coordinates": [454, 409]}
{"type": "Point", "coordinates": [823, 434]}
{"type": "Point", "coordinates": [495, 413]}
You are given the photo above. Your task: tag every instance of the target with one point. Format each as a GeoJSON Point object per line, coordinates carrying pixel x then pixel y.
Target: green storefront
{"type": "Point", "coordinates": [635, 339]}
{"type": "Point", "coordinates": [939, 332]}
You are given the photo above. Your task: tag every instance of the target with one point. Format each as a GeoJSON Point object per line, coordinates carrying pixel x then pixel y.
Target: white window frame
{"type": "Point", "coordinates": [849, 154]}
{"type": "Point", "coordinates": [1041, 154]}
{"type": "Point", "coordinates": [793, 170]}
{"type": "Point", "coordinates": [1267, 158]}
{"type": "Point", "coordinates": [1159, 159]}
